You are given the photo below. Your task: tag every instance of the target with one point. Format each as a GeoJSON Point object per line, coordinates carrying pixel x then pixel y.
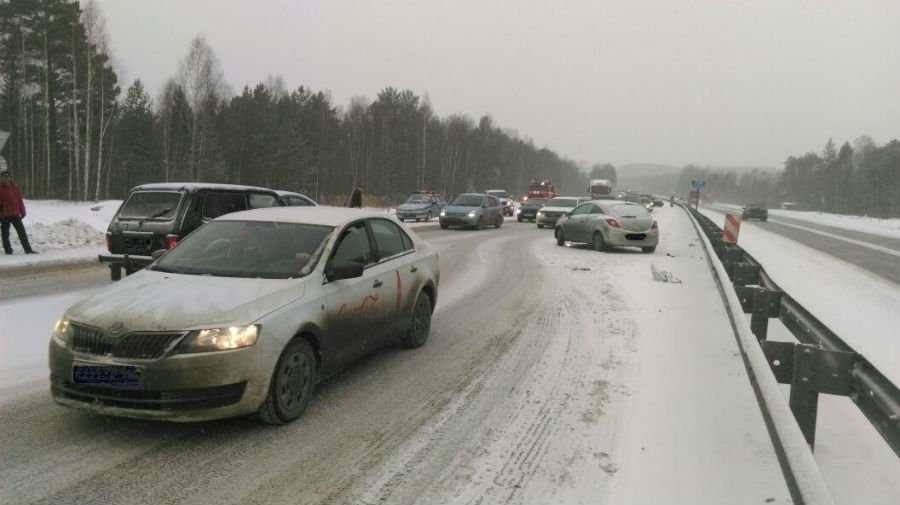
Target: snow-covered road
{"type": "Point", "coordinates": [553, 375]}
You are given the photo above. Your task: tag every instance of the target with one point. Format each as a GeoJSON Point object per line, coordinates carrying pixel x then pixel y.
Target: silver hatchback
{"type": "Point", "coordinates": [604, 223]}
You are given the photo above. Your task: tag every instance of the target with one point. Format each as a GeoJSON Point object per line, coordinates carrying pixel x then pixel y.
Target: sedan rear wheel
{"type": "Point", "coordinates": [560, 237]}
{"type": "Point", "coordinates": [420, 325]}
{"type": "Point", "coordinates": [597, 242]}
{"type": "Point", "coordinates": [428, 216]}
{"type": "Point", "coordinates": [499, 222]}
{"type": "Point", "coordinates": [292, 384]}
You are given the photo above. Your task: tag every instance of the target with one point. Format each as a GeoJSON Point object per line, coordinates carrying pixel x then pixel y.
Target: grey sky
{"type": "Point", "coordinates": [674, 82]}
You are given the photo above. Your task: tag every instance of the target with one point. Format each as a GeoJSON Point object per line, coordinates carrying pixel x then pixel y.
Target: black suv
{"type": "Point", "coordinates": [755, 211]}
{"type": "Point", "coordinates": [157, 216]}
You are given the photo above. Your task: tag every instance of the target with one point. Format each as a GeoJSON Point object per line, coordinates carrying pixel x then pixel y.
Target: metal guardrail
{"type": "Point", "coordinates": [821, 362]}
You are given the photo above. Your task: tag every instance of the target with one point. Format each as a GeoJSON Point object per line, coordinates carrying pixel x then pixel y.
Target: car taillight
{"type": "Point", "coordinates": [109, 241]}
{"type": "Point", "coordinates": [171, 240]}
{"type": "Point", "coordinates": [654, 226]}
{"type": "Point", "coordinates": [612, 222]}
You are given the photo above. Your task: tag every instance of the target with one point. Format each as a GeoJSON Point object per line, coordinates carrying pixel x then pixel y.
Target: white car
{"type": "Point", "coordinates": [245, 315]}
{"type": "Point", "coordinates": [505, 200]}
{"type": "Point", "coordinates": [557, 207]}
{"type": "Point", "coordinates": [606, 223]}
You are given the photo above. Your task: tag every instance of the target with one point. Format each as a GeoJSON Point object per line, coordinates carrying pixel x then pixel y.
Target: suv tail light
{"type": "Point", "coordinates": [654, 226]}
{"type": "Point", "coordinates": [612, 222]}
{"type": "Point", "coordinates": [171, 240]}
{"type": "Point", "coordinates": [109, 242]}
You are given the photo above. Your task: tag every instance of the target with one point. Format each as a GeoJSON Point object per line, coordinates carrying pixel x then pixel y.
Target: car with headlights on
{"type": "Point", "coordinates": [557, 207]}
{"type": "Point", "coordinates": [246, 315]}
{"type": "Point", "coordinates": [529, 208]}
{"type": "Point", "coordinates": [608, 223]}
{"type": "Point", "coordinates": [472, 210]}
{"type": "Point", "coordinates": [505, 200]}
{"type": "Point", "coordinates": [421, 206]}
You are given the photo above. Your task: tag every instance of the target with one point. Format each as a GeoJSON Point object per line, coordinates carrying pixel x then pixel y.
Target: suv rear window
{"type": "Point", "coordinates": [153, 205]}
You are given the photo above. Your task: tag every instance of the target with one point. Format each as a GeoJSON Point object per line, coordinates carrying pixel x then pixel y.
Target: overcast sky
{"type": "Point", "coordinates": [724, 83]}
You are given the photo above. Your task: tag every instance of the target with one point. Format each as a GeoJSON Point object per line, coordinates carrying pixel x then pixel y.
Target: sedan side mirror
{"type": "Point", "coordinates": [344, 270]}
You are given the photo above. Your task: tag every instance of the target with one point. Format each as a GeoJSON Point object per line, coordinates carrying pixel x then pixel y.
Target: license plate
{"type": "Point", "coordinates": [117, 375]}
{"type": "Point", "coordinates": [636, 236]}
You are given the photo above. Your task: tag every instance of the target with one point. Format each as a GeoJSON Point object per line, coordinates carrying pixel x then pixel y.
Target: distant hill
{"type": "Point", "coordinates": [663, 179]}
{"type": "Point", "coordinates": [645, 169]}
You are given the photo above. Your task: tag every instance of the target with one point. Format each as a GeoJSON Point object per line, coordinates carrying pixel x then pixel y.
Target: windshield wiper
{"type": "Point", "coordinates": [154, 216]}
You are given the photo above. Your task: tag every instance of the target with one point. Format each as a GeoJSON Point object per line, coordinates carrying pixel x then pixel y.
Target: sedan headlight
{"type": "Point", "coordinates": [540, 214]}
{"type": "Point", "coordinates": [443, 213]}
{"type": "Point", "coordinates": [519, 210]}
{"type": "Point", "coordinates": [221, 339]}
{"type": "Point", "coordinates": [62, 329]}
{"type": "Point", "coordinates": [472, 213]}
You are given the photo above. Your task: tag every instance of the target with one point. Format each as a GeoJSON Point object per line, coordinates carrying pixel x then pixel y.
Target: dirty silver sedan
{"type": "Point", "coordinates": [605, 223]}
{"type": "Point", "coordinates": [245, 315]}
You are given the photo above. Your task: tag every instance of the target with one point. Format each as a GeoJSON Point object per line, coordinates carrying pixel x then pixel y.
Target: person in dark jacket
{"type": "Point", "coordinates": [356, 197]}
{"type": "Point", "coordinates": [12, 210]}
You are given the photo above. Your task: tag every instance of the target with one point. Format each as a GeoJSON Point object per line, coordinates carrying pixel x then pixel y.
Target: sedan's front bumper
{"type": "Point", "coordinates": [182, 387]}
{"type": "Point", "coordinates": [459, 220]}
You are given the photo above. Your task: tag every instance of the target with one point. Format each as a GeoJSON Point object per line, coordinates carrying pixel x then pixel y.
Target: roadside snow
{"type": "Point", "coordinates": [876, 226]}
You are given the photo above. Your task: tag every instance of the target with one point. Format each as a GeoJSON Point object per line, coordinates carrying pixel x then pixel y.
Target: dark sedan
{"type": "Point", "coordinates": [528, 209]}
{"type": "Point", "coordinates": [755, 211]}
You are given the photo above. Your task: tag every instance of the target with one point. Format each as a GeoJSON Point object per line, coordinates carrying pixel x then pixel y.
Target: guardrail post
{"type": "Point", "coordinates": [804, 400]}
{"type": "Point", "coordinates": [766, 304]}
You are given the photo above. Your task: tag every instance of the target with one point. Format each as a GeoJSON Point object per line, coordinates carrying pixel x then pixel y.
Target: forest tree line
{"type": "Point", "coordinates": [75, 134]}
{"type": "Point", "coordinates": [860, 179]}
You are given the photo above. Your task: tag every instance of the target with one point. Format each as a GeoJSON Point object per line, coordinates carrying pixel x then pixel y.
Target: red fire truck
{"type": "Point", "coordinates": [540, 189]}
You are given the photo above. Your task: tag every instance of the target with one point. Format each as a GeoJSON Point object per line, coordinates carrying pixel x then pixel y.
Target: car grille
{"type": "Point", "coordinates": [456, 214]}
{"type": "Point", "coordinates": [133, 345]}
{"type": "Point", "coordinates": [165, 400]}
{"type": "Point", "coordinates": [553, 214]}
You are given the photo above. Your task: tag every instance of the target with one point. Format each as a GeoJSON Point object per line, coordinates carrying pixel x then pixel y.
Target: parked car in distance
{"type": "Point", "coordinates": [472, 210]}
{"type": "Point", "coordinates": [246, 315]}
{"type": "Point", "coordinates": [291, 199]}
{"type": "Point", "coordinates": [755, 211]}
{"type": "Point", "coordinates": [421, 205]}
{"type": "Point", "coordinates": [557, 207]}
{"type": "Point", "coordinates": [505, 200]}
{"type": "Point", "coordinates": [529, 208]}
{"type": "Point", "coordinates": [156, 216]}
{"type": "Point", "coordinates": [606, 223]}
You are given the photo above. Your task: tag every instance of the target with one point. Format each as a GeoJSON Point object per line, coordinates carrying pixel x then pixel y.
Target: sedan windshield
{"type": "Point", "coordinates": [499, 194]}
{"type": "Point", "coordinates": [248, 249]}
{"type": "Point", "coordinates": [467, 201]}
{"type": "Point", "coordinates": [418, 199]}
{"type": "Point", "coordinates": [562, 202]}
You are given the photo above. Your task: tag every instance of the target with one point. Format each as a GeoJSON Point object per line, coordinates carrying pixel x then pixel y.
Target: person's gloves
{"type": "Point", "coordinates": [22, 215]}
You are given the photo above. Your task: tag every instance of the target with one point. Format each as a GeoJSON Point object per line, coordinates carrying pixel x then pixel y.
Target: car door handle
{"type": "Point", "coordinates": [413, 269]}
{"type": "Point", "coordinates": [377, 284]}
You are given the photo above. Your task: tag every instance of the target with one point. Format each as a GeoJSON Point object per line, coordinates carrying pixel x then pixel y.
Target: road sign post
{"type": "Point", "coordinates": [697, 184]}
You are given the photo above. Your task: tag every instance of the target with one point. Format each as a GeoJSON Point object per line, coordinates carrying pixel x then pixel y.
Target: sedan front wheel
{"type": "Point", "coordinates": [292, 384]}
{"type": "Point", "coordinates": [560, 237]}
